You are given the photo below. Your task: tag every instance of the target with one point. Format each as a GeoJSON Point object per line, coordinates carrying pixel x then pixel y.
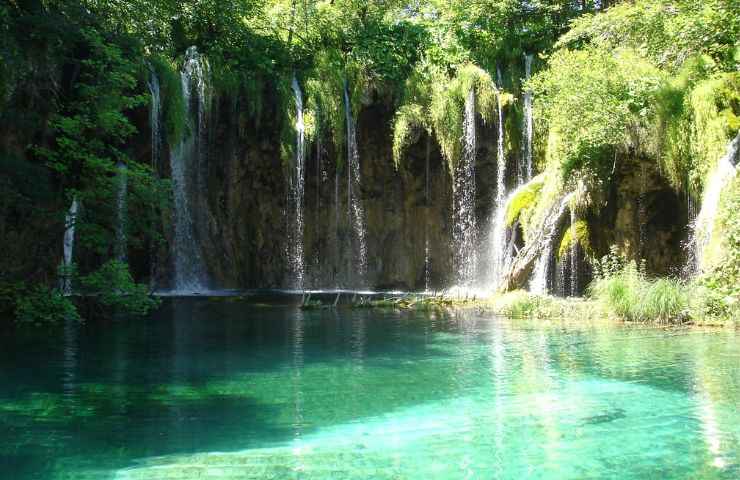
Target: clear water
{"type": "Point", "coordinates": [243, 389]}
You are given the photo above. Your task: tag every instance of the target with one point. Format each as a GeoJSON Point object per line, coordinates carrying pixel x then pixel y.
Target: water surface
{"type": "Point", "coordinates": [258, 389]}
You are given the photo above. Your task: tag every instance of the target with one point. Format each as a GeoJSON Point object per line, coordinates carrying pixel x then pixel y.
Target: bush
{"type": "Point", "coordinates": [664, 301]}
{"type": "Point", "coordinates": [43, 306]}
{"type": "Point", "coordinates": [113, 287]}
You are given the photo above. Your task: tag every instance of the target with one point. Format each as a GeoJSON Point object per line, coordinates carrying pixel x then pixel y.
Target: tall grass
{"type": "Point", "coordinates": [632, 296]}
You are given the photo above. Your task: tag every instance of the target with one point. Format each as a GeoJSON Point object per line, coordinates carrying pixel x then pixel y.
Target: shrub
{"type": "Point", "coordinates": [616, 292]}
{"type": "Point", "coordinates": [43, 306]}
{"type": "Point", "coordinates": [664, 301]}
{"type": "Point", "coordinates": [113, 287]}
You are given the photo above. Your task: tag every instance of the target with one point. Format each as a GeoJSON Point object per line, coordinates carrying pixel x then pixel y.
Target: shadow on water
{"type": "Point", "coordinates": [185, 378]}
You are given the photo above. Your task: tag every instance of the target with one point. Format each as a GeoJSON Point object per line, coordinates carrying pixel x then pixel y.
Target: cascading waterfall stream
{"type": "Point", "coordinates": [155, 117]}
{"type": "Point", "coordinates": [703, 227]}
{"type": "Point", "coordinates": [642, 213]}
{"type": "Point", "coordinates": [500, 158]}
{"type": "Point", "coordinates": [155, 123]}
{"type": "Point", "coordinates": [70, 223]}
{"type": "Point", "coordinates": [502, 247]}
{"type": "Point", "coordinates": [525, 172]}
{"type": "Point", "coordinates": [297, 191]}
{"type": "Point", "coordinates": [498, 251]}
{"type": "Point", "coordinates": [121, 214]}
{"type": "Point", "coordinates": [464, 220]}
{"type": "Point", "coordinates": [561, 287]}
{"type": "Point", "coordinates": [573, 252]}
{"type": "Point", "coordinates": [538, 284]}
{"type": "Point", "coordinates": [337, 249]}
{"type": "Point", "coordinates": [356, 213]}
{"type": "Point", "coordinates": [427, 200]}
{"type": "Point", "coordinates": [189, 267]}
{"type": "Point", "coordinates": [321, 177]}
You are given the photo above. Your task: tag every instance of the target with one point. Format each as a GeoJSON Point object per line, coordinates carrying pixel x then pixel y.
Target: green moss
{"type": "Point", "coordinates": [447, 108]}
{"type": "Point", "coordinates": [173, 102]}
{"type": "Point", "coordinates": [577, 233]}
{"type": "Point", "coordinates": [525, 199]}
{"type": "Point", "coordinates": [697, 116]}
{"type": "Point", "coordinates": [435, 100]}
{"type": "Point", "coordinates": [531, 219]}
{"type": "Point", "coordinates": [715, 106]}
{"type": "Point", "coordinates": [409, 121]}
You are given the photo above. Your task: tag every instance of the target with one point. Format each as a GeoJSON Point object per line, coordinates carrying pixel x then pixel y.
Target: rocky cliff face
{"type": "Point", "coordinates": [643, 217]}
{"type": "Point", "coordinates": [246, 204]}
{"type": "Point", "coordinates": [243, 225]}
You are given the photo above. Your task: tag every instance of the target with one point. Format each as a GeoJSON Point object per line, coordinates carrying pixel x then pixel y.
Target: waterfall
{"type": "Point", "coordinates": [538, 283]}
{"type": "Point", "coordinates": [319, 277]}
{"type": "Point", "coordinates": [573, 252]}
{"type": "Point", "coordinates": [501, 251]}
{"type": "Point", "coordinates": [355, 213]}
{"type": "Point", "coordinates": [500, 158]}
{"type": "Point", "coordinates": [525, 172]}
{"type": "Point", "coordinates": [155, 117]}
{"type": "Point", "coordinates": [642, 213]}
{"type": "Point", "coordinates": [561, 287]}
{"type": "Point", "coordinates": [427, 200]}
{"type": "Point", "coordinates": [691, 268]}
{"type": "Point", "coordinates": [295, 248]}
{"type": "Point", "coordinates": [337, 249]}
{"type": "Point", "coordinates": [70, 222]}
{"type": "Point", "coordinates": [155, 123]}
{"type": "Point", "coordinates": [121, 197]}
{"type": "Point", "coordinates": [189, 267]}
{"type": "Point", "coordinates": [464, 221]}
{"type": "Point", "coordinates": [497, 251]}
{"type": "Point", "coordinates": [703, 227]}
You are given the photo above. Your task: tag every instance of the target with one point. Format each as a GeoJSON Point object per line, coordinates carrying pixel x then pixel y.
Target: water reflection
{"type": "Point", "coordinates": [206, 385]}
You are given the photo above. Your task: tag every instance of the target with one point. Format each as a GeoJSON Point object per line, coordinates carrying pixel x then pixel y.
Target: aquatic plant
{"type": "Point", "coordinates": [409, 122]}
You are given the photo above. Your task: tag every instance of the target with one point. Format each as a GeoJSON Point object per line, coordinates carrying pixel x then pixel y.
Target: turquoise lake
{"type": "Point", "coordinates": [256, 388]}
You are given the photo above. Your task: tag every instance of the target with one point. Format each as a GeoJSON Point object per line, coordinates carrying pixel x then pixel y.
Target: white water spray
{"type": "Point", "coordinates": [573, 251]}
{"type": "Point", "coordinates": [121, 212]}
{"type": "Point", "coordinates": [155, 124]}
{"type": "Point", "coordinates": [70, 223]}
{"type": "Point", "coordinates": [703, 228]}
{"type": "Point", "coordinates": [500, 157]}
{"type": "Point", "coordinates": [464, 219]}
{"type": "Point", "coordinates": [189, 267]}
{"type": "Point", "coordinates": [538, 284]}
{"type": "Point", "coordinates": [427, 200]}
{"type": "Point", "coordinates": [525, 172]}
{"type": "Point", "coordinates": [356, 213]}
{"type": "Point", "coordinates": [501, 251]}
{"type": "Point", "coordinates": [155, 117]}
{"type": "Point", "coordinates": [297, 191]}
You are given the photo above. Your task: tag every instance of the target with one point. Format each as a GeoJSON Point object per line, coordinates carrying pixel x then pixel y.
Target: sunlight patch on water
{"type": "Point", "coordinates": [602, 421]}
